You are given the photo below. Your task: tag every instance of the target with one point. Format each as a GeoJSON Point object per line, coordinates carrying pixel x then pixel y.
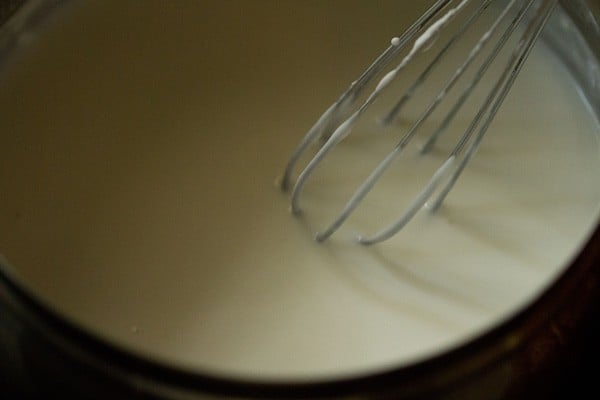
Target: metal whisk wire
{"type": "Point", "coordinates": [329, 129]}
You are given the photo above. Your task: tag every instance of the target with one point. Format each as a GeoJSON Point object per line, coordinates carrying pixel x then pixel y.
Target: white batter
{"type": "Point", "coordinates": [138, 153]}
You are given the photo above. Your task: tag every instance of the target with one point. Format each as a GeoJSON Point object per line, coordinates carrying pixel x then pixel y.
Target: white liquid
{"type": "Point", "coordinates": [139, 150]}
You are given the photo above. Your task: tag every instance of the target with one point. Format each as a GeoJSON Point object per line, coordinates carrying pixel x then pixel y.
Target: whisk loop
{"type": "Point", "coordinates": [338, 120]}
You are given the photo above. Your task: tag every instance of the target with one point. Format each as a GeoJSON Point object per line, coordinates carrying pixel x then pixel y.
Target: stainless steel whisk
{"type": "Point", "coordinates": [337, 121]}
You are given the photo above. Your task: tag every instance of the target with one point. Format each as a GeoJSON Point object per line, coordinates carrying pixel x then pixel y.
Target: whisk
{"type": "Point", "coordinates": [336, 123]}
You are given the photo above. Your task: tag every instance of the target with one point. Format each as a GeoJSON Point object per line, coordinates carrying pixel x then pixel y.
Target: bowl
{"type": "Point", "coordinates": [546, 350]}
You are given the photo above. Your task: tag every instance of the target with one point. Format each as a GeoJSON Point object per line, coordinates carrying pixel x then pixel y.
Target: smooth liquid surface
{"type": "Point", "coordinates": [137, 175]}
